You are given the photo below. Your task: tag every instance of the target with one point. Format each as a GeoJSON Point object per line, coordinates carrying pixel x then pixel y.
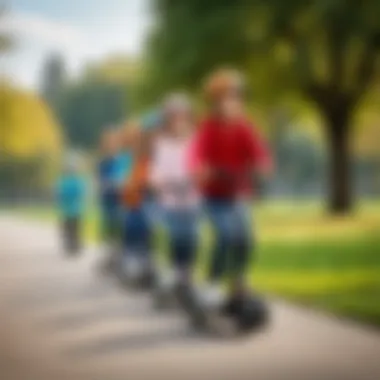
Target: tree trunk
{"type": "Point", "coordinates": [340, 187]}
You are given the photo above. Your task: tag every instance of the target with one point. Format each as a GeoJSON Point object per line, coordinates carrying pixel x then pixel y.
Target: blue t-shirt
{"type": "Point", "coordinates": [71, 191]}
{"type": "Point", "coordinates": [108, 171]}
{"type": "Point", "coordinates": [109, 181]}
{"type": "Point", "coordinates": [125, 164]}
{"type": "Point", "coordinates": [112, 172]}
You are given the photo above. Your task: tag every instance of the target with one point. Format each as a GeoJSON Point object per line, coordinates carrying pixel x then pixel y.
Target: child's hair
{"type": "Point", "coordinates": [128, 134]}
{"type": "Point", "coordinates": [110, 141]}
{"type": "Point", "coordinates": [222, 82]}
{"type": "Point", "coordinates": [142, 143]}
{"type": "Point", "coordinates": [174, 104]}
{"type": "Point", "coordinates": [152, 120]}
{"type": "Point", "coordinates": [177, 102]}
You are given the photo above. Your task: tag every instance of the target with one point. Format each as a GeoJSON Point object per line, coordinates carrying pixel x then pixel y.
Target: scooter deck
{"type": "Point", "coordinates": [218, 324]}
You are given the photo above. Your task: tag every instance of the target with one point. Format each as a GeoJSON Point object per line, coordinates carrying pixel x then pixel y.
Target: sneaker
{"type": "Point", "coordinates": [131, 268]}
{"type": "Point", "coordinates": [212, 297]}
{"type": "Point", "coordinates": [233, 306]}
{"type": "Point", "coordinates": [147, 278]}
{"type": "Point", "coordinates": [189, 299]}
{"type": "Point", "coordinates": [164, 290]}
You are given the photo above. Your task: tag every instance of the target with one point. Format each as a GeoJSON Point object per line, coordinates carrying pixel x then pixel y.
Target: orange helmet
{"type": "Point", "coordinates": [223, 82]}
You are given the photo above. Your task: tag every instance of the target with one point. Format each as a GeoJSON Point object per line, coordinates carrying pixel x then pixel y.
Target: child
{"type": "Point", "coordinates": [71, 195]}
{"type": "Point", "coordinates": [177, 197]}
{"type": "Point", "coordinates": [125, 157]}
{"type": "Point", "coordinates": [137, 261]}
{"type": "Point", "coordinates": [229, 151]}
{"type": "Point", "coordinates": [109, 179]}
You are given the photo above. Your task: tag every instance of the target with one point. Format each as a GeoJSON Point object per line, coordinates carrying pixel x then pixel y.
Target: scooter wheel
{"type": "Point", "coordinates": [253, 316]}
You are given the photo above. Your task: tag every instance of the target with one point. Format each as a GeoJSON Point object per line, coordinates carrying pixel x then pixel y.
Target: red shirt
{"type": "Point", "coordinates": [231, 152]}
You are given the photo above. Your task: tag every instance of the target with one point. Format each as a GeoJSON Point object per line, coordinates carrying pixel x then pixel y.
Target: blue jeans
{"type": "Point", "coordinates": [182, 227]}
{"type": "Point", "coordinates": [111, 222]}
{"type": "Point", "coordinates": [233, 242]}
{"type": "Point", "coordinates": [138, 232]}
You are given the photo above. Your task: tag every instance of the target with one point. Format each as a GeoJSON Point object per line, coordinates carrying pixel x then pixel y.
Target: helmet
{"type": "Point", "coordinates": [176, 102]}
{"type": "Point", "coordinates": [223, 82]}
{"type": "Point", "coordinates": [151, 120]}
{"type": "Point", "coordinates": [72, 161]}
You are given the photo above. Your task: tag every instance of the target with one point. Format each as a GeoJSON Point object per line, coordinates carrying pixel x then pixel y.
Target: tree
{"type": "Point", "coordinates": [191, 38]}
{"type": "Point", "coordinates": [53, 80]}
{"type": "Point", "coordinates": [324, 50]}
{"type": "Point", "coordinates": [97, 99]}
{"type": "Point", "coordinates": [87, 107]}
{"type": "Point", "coordinates": [27, 126]}
{"type": "Point", "coordinates": [6, 40]}
{"type": "Point", "coordinates": [30, 143]}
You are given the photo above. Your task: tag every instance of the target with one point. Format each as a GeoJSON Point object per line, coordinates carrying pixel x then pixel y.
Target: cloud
{"type": "Point", "coordinates": [80, 38]}
{"type": "Point", "coordinates": [38, 29]}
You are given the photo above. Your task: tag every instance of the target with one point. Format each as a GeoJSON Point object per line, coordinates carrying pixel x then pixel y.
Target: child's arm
{"type": "Point", "coordinates": [124, 164]}
{"type": "Point", "coordinates": [198, 165]}
{"type": "Point", "coordinates": [258, 151]}
{"type": "Point", "coordinates": [158, 171]}
{"type": "Point", "coordinates": [133, 189]}
{"type": "Point", "coordinates": [261, 161]}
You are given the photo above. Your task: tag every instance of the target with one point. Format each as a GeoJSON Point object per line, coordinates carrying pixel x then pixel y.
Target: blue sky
{"type": "Point", "coordinates": [82, 30]}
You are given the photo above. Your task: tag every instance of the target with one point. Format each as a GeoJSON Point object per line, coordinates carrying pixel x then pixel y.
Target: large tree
{"type": "Point", "coordinates": [6, 40]}
{"type": "Point", "coordinates": [30, 143]}
{"type": "Point", "coordinates": [53, 79]}
{"type": "Point", "coordinates": [324, 50]}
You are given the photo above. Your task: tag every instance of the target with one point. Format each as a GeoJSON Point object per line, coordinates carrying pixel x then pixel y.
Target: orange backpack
{"type": "Point", "coordinates": [134, 189]}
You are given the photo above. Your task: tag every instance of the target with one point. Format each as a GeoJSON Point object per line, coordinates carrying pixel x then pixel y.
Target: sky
{"type": "Point", "coordinates": [81, 30]}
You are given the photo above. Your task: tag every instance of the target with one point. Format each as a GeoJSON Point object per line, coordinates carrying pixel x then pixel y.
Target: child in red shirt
{"type": "Point", "coordinates": [228, 152]}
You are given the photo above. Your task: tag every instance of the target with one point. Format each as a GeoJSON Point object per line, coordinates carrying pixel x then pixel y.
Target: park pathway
{"type": "Point", "coordinates": [59, 319]}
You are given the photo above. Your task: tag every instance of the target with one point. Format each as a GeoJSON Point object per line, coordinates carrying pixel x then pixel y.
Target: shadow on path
{"type": "Point", "coordinates": [103, 312]}
{"type": "Point", "coordinates": [160, 338]}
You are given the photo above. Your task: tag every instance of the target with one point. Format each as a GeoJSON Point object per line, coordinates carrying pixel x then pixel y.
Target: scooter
{"type": "Point", "coordinates": [222, 319]}
{"type": "Point", "coordinates": [136, 272]}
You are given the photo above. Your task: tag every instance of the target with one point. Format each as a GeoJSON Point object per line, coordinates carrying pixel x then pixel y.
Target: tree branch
{"type": "Point", "coordinates": [367, 66]}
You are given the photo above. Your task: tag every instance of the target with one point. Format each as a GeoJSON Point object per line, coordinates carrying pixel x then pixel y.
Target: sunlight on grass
{"type": "Point", "coordinates": [316, 282]}
{"type": "Point", "coordinates": [281, 221]}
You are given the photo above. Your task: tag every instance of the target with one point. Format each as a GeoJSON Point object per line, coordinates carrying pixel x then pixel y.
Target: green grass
{"type": "Point", "coordinates": [320, 261]}
{"type": "Point", "coordinates": [307, 256]}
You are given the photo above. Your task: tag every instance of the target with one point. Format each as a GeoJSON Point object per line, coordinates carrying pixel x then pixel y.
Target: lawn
{"type": "Point", "coordinates": [330, 263]}
{"type": "Point", "coordinates": [308, 257]}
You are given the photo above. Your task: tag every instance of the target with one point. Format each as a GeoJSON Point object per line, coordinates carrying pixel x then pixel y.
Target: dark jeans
{"type": "Point", "coordinates": [138, 232]}
{"type": "Point", "coordinates": [182, 227]}
{"type": "Point", "coordinates": [111, 223]}
{"type": "Point", "coordinates": [71, 234]}
{"type": "Point", "coordinates": [233, 238]}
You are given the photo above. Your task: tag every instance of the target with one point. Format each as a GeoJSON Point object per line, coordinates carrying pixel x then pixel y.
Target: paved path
{"type": "Point", "coordinates": [60, 320]}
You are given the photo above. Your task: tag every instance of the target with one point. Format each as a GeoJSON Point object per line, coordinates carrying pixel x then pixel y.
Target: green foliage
{"type": "Point", "coordinates": [191, 38]}
{"type": "Point", "coordinates": [298, 45]}
{"type": "Point", "coordinates": [30, 143]}
{"type": "Point", "coordinates": [98, 99]}
{"type": "Point", "coordinates": [25, 178]}
{"type": "Point", "coordinates": [27, 128]}
{"type": "Point", "coordinates": [87, 107]}
{"type": "Point", "coordinates": [325, 51]}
